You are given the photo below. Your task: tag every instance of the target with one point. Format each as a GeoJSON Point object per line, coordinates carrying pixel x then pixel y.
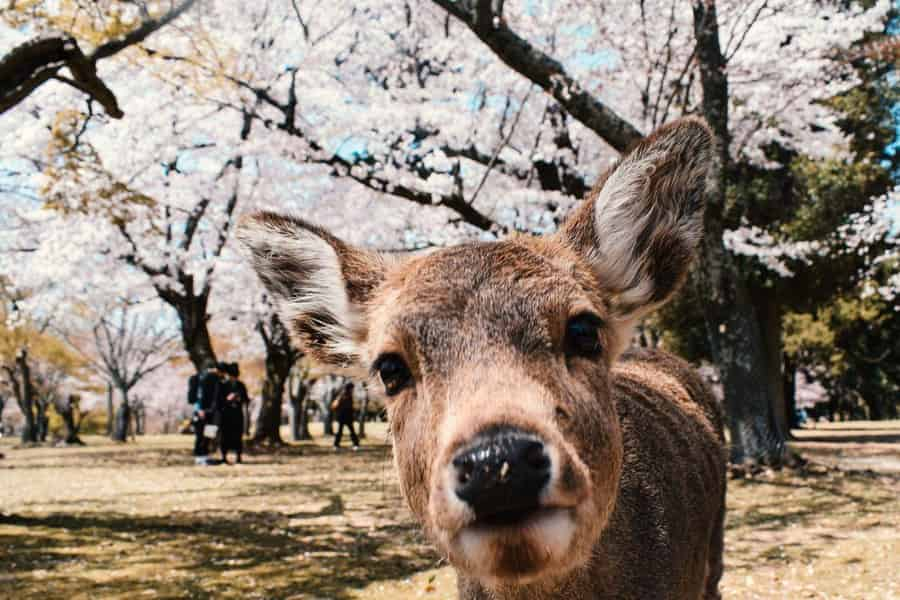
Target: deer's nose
{"type": "Point", "coordinates": [502, 475]}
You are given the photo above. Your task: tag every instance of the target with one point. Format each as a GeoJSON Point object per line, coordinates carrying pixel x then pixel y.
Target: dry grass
{"type": "Point", "coordinates": [110, 521]}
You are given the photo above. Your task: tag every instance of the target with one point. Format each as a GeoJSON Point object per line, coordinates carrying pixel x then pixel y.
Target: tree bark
{"type": "Point", "coordinates": [325, 404]}
{"type": "Point", "coordinates": [194, 319]}
{"type": "Point", "coordinates": [731, 321]}
{"type": "Point", "coordinates": [363, 412]}
{"type": "Point", "coordinates": [123, 418]}
{"type": "Point", "coordinates": [768, 311]}
{"type": "Point", "coordinates": [790, 394]}
{"type": "Point", "coordinates": [280, 357]}
{"type": "Point", "coordinates": [24, 392]}
{"type": "Point", "coordinates": [298, 394]}
{"type": "Point", "coordinates": [109, 409]}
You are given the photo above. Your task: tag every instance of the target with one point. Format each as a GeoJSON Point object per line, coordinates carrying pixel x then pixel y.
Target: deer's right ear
{"type": "Point", "coordinates": [320, 284]}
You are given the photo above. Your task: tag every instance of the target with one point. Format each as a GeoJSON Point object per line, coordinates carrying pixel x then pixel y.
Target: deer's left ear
{"type": "Point", "coordinates": [640, 226]}
{"type": "Point", "coordinates": [320, 283]}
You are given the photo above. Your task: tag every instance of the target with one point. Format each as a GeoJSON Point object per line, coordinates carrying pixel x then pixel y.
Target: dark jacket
{"type": "Point", "coordinates": [231, 413]}
{"type": "Point", "coordinates": [209, 393]}
{"type": "Point", "coordinates": [344, 412]}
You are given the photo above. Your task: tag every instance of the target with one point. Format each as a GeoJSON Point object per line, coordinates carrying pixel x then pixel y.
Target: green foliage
{"type": "Point", "coordinates": [832, 324]}
{"type": "Point", "coordinates": [853, 346]}
{"type": "Point", "coordinates": [94, 423]}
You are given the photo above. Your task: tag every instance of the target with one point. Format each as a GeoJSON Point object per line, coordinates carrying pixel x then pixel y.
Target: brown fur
{"type": "Point", "coordinates": [635, 503]}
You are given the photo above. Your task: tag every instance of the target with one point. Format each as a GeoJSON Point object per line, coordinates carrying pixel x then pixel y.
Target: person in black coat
{"type": "Point", "coordinates": [231, 413]}
{"type": "Point", "coordinates": [343, 411]}
{"type": "Point", "coordinates": [203, 395]}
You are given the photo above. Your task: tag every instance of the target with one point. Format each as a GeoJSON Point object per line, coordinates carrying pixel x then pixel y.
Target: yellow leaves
{"type": "Point", "coordinates": [75, 178]}
{"type": "Point", "coordinates": [91, 22]}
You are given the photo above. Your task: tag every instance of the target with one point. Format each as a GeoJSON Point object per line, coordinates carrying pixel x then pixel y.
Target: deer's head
{"type": "Point", "coordinates": [495, 357]}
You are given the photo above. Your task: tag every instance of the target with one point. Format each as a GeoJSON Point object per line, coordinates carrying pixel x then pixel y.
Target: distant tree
{"type": "Point", "coordinates": [125, 346]}
{"type": "Point", "coordinates": [68, 407]}
{"type": "Point", "coordinates": [281, 356]}
{"type": "Point", "coordinates": [298, 395]}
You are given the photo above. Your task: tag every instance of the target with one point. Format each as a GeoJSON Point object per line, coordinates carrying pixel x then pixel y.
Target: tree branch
{"type": "Point", "coordinates": [31, 64]}
{"type": "Point", "coordinates": [147, 28]}
{"type": "Point", "coordinates": [543, 70]}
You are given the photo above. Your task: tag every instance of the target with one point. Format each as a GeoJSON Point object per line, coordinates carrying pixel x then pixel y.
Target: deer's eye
{"type": "Point", "coordinates": [583, 335]}
{"type": "Point", "coordinates": [393, 372]}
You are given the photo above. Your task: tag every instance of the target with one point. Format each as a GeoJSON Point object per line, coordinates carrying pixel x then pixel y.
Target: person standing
{"type": "Point", "coordinates": [234, 394]}
{"type": "Point", "coordinates": [343, 409]}
{"type": "Point", "coordinates": [203, 394]}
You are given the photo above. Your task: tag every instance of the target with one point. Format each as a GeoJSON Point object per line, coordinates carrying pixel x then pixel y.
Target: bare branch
{"type": "Point", "coordinates": [500, 147]}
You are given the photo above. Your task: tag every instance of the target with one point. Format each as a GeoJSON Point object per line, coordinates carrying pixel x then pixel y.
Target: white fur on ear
{"type": "Point", "coordinates": [624, 220]}
{"type": "Point", "coordinates": [640, 230]}
{"type": "Point", "coordinates": [300, 266]}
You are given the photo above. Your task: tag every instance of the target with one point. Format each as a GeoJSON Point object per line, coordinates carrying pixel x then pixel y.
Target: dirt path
{"type": "Point", "coordinates": [109, 521]}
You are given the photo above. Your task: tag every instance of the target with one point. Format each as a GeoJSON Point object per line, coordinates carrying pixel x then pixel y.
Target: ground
{"type": "Point", "coordinates": [140, 521]}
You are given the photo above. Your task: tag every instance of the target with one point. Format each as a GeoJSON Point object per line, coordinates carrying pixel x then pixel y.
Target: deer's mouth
{"type": "Point", "coordinates": [516, 545]}
{"type": "Point", "coordinates": [512, 518]}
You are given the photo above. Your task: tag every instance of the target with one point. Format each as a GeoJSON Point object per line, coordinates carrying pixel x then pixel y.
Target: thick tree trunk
{"type": "Point", "coordinates": [769, 313]}
{"type": "Point", "coordinates": [280, 357]}
{"type": "Point", "coordinates": [268, 421]}
{"type": "Point", "coordinates": [194, 319]}
{"type": "Point", "coordinates": [731, 321]}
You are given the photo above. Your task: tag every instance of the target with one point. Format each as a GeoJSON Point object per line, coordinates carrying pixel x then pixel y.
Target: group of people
{"type": "Point", "coordinates": [219, 399]}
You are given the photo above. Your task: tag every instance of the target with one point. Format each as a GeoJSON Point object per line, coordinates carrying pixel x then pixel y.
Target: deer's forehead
{"type": "Point", "coordinates": [470, 285]}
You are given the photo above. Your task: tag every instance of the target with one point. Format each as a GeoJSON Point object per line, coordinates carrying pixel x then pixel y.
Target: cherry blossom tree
{"type": "Point", "coordinates": [409, 124]}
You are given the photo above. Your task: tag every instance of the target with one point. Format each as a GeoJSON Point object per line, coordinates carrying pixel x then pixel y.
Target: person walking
{"type": "Point", "coordinates": [231, 421]}
{"type": "Point", "coordinates": [343, 409]}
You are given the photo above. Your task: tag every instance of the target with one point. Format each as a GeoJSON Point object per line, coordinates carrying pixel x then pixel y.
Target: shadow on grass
{"type": "Point", "coordinates": [276, 550]}
{"type": "Point", "coordinates": [824, 500]}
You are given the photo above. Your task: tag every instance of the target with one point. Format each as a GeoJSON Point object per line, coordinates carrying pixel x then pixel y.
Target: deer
{"type": "Point", "coordinates": [542, 457]}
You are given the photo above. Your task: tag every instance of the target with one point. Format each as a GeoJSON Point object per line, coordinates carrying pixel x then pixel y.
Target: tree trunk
{"type": "Point", "coordinates": [193, 318]}
{"type": "Point", "coordinates": [42, 422]}
{"type": "Point", "coordinates": [139, 414]}
{"type": "Point", "coordinates": [280, 357]}
{"type": "Point", "coordinates": [109, 409]}
{"type": "Point", "coordinates": [25, 397]}
{"type": "Point", "coordinates": [790, 393]}
{"type": "Point", "coordinates": [304, 417]}
{"type": "Point", "coordinates": [363, 412]}
{"type": "Point", "coordinates": [325, 405]}
{"type": "Point", "coordinates": [769, 312]}
{"type": "Point", "coordinates": [299, 423]}
{"type": "Point", "coordinates": [731, 321]}
{"type": "Point", "coordinates": [66, 410]}
{"type": "Point", "coordinates": [123, 418]}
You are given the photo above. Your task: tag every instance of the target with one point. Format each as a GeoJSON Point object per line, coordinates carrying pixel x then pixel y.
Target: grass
{"type": "Point", "coordinates": [140, 521]}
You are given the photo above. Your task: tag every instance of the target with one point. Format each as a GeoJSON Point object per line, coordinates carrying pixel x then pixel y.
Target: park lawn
{"type": "Point", "coordinates": [140, 521]}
